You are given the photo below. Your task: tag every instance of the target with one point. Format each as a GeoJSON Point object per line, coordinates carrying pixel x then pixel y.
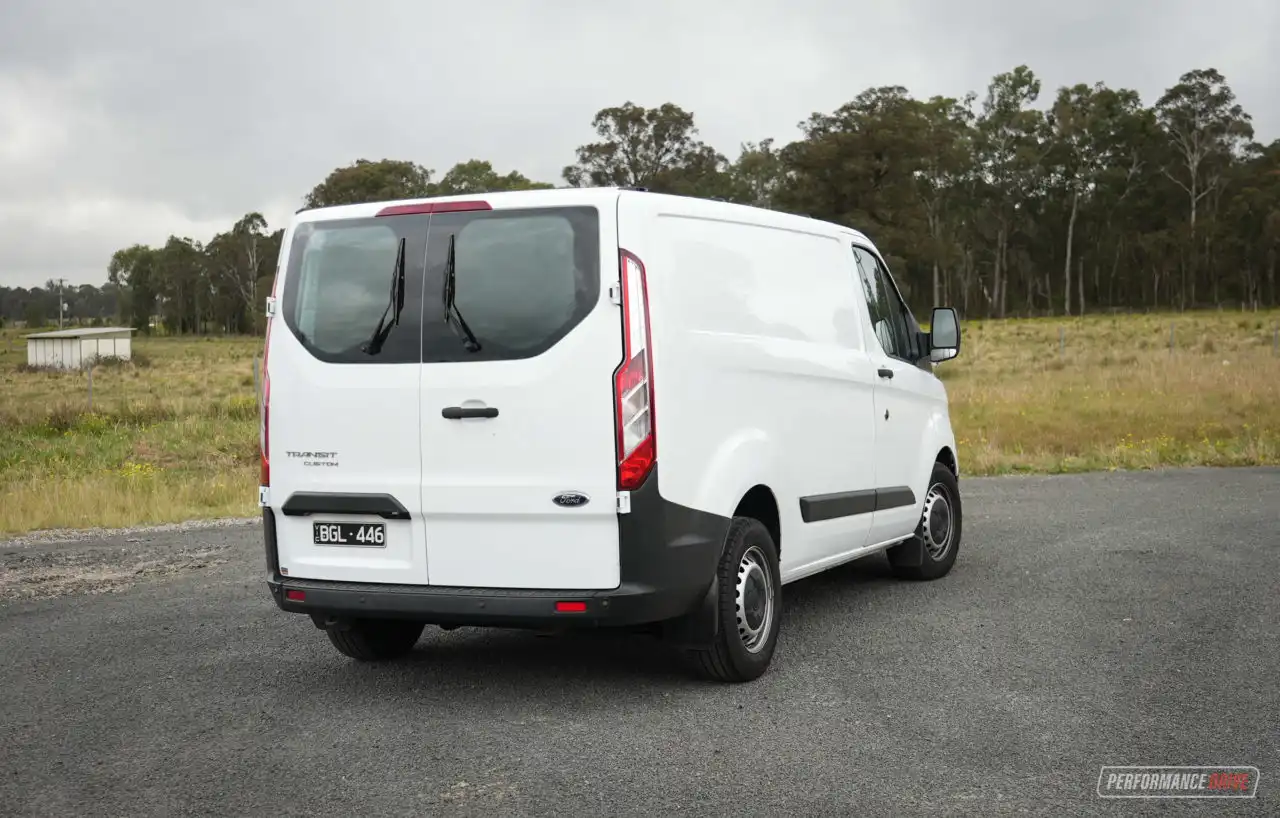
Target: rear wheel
{"type": "Point", "coordinates": [938, 531]}
{"type": "Point", "coordinates": [372, 640]}
{"type": "Point", "coordinates": [750, 607]}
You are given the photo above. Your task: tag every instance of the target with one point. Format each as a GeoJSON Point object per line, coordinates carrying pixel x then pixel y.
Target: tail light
{"type": "Point", "coordinates": [264, 437]}
{"type": "Point", "coordinates": [633, 380]}
{"type": "Point", "coordinates": [265, 480]}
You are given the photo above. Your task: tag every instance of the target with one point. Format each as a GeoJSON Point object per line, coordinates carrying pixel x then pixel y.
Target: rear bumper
{"type": "Point", "coordinates": [667, 552]}
{"type": "Point", "coordinates": [623, 606]}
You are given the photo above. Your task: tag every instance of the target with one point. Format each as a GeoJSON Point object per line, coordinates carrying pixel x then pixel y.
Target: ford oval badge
{"type": "Point", "coordinates": [570, 499]}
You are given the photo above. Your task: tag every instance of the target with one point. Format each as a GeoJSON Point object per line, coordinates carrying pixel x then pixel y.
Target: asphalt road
{"type": "Point", "coordinates": [1090, 620]}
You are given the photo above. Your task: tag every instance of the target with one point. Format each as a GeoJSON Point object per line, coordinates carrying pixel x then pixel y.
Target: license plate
{"type": "Point", "coordinates": [369, 535]}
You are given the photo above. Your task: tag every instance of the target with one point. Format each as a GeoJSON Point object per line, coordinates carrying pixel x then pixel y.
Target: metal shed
{"type": "Point", "coordinates": [75, 348]}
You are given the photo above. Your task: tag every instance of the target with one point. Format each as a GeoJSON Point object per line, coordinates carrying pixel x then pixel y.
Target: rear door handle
{"type": "Point", "coordinates": [884, 373]}
{"type": "Point", "coordinates": [464, 412]}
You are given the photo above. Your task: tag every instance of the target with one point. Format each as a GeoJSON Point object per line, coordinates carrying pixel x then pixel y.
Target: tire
{"type": "Point", "coordinates": [750, 607]}
{"type": "Point", "coordinates": [376, 640]}
{"type": "Point", "coordinates": [939, 529]}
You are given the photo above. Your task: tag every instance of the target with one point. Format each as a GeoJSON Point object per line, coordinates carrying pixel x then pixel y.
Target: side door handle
{"type": "Point", "coordinates": [465, 412]}
{"type": "Point", "coordinates": [884, 373]}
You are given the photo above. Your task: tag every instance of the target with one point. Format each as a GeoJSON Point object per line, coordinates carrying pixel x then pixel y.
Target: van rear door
{"type": "Point", "coordinates": [521, 411]}
{"type": "Point", "coordinates": [342, 431]}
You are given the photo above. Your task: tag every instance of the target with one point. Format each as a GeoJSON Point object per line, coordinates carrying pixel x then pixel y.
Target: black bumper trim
{"type": "Point", "coordinates": [500, 607]}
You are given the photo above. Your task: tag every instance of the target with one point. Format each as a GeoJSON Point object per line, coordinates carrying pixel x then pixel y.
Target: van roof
{"type": "Point", "coordinates": [510, 198]}
{"type": "Point", "coordinates": [691, 205]}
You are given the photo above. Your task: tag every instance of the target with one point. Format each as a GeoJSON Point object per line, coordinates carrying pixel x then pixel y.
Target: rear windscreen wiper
{"type": "Point", "coordinates": [396, 302]}
{"type": "Point", "coordinates": [450, 308]}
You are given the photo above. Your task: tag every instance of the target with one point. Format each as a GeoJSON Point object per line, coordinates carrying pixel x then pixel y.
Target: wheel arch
{"type": "Point", "coordinates": [947, 457]}
{"type": "Point", "coordinates": [760, 503]}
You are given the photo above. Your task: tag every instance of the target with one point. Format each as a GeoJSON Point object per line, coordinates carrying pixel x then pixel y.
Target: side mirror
{"type": "Point", "coordinates": [944, 335]}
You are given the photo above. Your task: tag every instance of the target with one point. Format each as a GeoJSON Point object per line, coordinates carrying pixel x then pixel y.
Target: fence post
{"type": "Point", "coordinates": [1170, 337]}
{"type": "Point", "coordinates": [91, 386]}
{"type": "Point", "coordinates": [1062, 342]}
{"type": "Point", "coordinates": [1275, 340]}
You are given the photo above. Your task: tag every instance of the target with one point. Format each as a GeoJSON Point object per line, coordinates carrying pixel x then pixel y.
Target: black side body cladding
{"type": "Point", "coordinates": [670, 548]}
{"type": "Point", "coordinates": [668, 555]}
{"type": "Point", "coordinates": [818, 507]}
{"type": "Point", "coordinates": [895, 497]}
{"type": "Point", "coordinates": [306, 503]}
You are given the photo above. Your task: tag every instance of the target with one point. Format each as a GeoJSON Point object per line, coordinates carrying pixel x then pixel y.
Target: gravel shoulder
{"type": "Point", "coordinates": [95, 561]}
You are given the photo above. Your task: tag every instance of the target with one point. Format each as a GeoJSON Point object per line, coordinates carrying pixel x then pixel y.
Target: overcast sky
{"type": "Point", "coordinates": [127, 121]}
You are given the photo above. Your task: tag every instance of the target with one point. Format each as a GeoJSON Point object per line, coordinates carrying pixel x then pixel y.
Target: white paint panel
{"type": "Point", "coordinates": [760, 373]}
{"type": "Point", "coordinates": [487, 485]}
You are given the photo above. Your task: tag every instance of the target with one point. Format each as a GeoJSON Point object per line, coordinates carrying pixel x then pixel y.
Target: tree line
{"type": "Point", "coordinates": [998, 203]}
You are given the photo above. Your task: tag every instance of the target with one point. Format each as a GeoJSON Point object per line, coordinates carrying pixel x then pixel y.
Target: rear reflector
{"type": "Point", "coordinates": [296, 596]}
{"type": "Point", "coordinates": [571, 607]}
{"type": "Point", "coordinates": [433, 207]}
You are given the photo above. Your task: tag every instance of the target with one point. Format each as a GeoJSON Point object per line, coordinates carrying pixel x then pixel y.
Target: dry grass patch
{"type": "Point", "coordinates": [136, 493]}
{"type": "Point", "coordinates": [1116, 397]}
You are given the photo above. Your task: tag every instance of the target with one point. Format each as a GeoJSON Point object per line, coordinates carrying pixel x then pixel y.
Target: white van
{"type": "Point", "coordinates": [592, 407]}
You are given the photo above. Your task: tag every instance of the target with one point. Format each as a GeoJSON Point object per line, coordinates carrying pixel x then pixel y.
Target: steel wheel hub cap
{"type": "Point", "coordinates": [754, 600]}
{"type": "Point", "coordinates": [936, 522]}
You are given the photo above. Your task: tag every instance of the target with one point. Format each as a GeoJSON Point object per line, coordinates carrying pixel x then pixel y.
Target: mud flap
{"type": "Point", "coordinates": [698, 628]}
{"type": "Point", "coordinates": [907, 554]}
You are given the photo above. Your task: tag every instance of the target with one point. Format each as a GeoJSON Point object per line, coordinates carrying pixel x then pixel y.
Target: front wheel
{"type": "Point", "coordinates": [938, 532]}
{"type": "Point", "coordinates": [750, 607]}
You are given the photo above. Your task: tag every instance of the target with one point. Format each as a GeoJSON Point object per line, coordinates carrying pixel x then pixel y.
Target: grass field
{"type": "Point", "coordinates": [174, 435]}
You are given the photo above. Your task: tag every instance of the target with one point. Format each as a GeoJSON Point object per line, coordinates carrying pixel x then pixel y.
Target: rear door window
{"type": "Point", "coordinates": [339, 285]}
{"type": "Point", "coordinates": [522, 280]}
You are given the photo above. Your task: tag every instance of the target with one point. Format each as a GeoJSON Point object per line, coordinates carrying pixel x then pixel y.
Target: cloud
{"type": "Point", "coordinates": [128, 121]}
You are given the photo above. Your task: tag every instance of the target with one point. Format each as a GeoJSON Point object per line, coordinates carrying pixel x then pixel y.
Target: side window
{"type": "Point", "coordinates": [904, 323]}
{"type": "Point", "coordinates": [879, 305]}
